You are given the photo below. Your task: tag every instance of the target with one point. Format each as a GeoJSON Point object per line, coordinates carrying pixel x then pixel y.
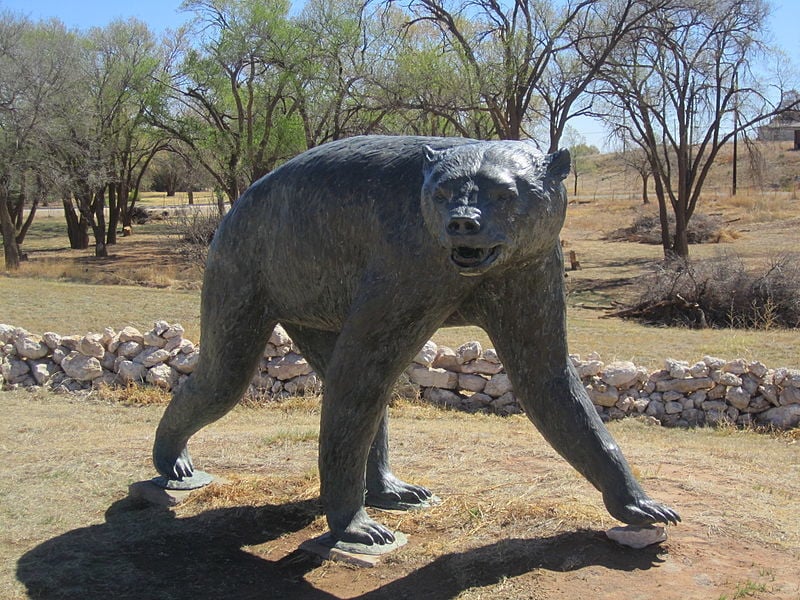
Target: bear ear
{"type": "Point", "coordinates": [430, 155]}
{"type": "Point", "coordinates": [558, 164]}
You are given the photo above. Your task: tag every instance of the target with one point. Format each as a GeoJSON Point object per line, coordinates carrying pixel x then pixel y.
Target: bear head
{"type": "Point", "coordinates": [490, 204]}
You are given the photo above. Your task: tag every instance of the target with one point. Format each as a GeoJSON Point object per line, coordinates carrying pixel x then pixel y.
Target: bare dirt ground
{"type": "Point", "coordinates": [515, 521]}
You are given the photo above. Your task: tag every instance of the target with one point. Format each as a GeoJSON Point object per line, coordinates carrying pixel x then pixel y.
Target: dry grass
{"type": "Point", "coordinates": [74, 308]}
{"type": "Point", "coordinates": [522, 521]}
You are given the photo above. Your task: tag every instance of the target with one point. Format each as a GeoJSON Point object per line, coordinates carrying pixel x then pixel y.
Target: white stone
{"type": "Point", "coordinates": [717, 392]}
{"type": "Point", "coordinates": [477, 401]}
{"type": "Point", "coordinates": [108, 360]}
{"type": "Point", "coordinates": [42, 370]}
{"type": "Point", "coordinates": [792, 378]}
{"type": "Point", "coordinates": [770, 392]}
{"type": "Point", "coordinates": [737, 366]}
{"type": "Point", "coordinates": [131, 372]}
{"type": "Point", "coordinates": [71, 341]}
{"type": "Point", "coordinates": [498, 385]}
{"type": "Point", "coordinates": [91, 345]}
{"type": "Point", "coordinates": [175, 344]}
{"type": "Point", "coordinates": [160, 326]}
{"type": "Point", "coordinates": [672, 396]}
{"type": "Point", "coordinates": [29, 345]}
{"type": "Point", "coordinates": [684, 386]}
{"type": "Point", "coordinates": [59, 354]}
{"type": "Point", "coordinates": [468, 352]}
{"type": "Point", "coordinates": [471, 383]}
{"type": "Point", "coordinates": [130, 334]}
{"type": "Point", "coordinates": [6, 333]}
{"type": "Point", "coordinates": [620, 374]}
{"type": "Point", "coordinates": [151, 356]}
{"type": "Point", "coordinates": [714, 405]}
{"type": "Point", "coordinates": [432, 377]}
{"type": "Point", "coordinates": [782, 417]}
{"type": "Point", "coordinates": [699, 369]}
{"type": "Point", "coordinates": [279, 337]}
{"type": "Point", "coordinates": [637, 537]}
{"type": "Point", "coordinates": [446, 359]}
{"type": "Point", "coordinates": [713, 362]}
{"type": "Point", "coordinates": [442, 397]}
{"type": "Point", "coordinates": [757, 368]}
{"type": "Point", "coordinates": [427, 354]}
{"type": "Point", "coordinates": [305, 384]}
{"type": "Point", "coordinates": [14, 370]}
{"type": "Point", "coordinates": [173, 331]}
{"type": "Point", "coordinates": [185, 363]}
{"type": "Point", "coordinates": [790, 395]}
{"type": "Point", "coordinates": [53, 340]}
{"type": "Point", "coordinates": [603, 395]}
{"type": "Point", "coordinates": [726, 378]}
{"type": "Point", "coordinates": [589, 368]}
{"type": "Point", "coordinates": [81, 367]}
{"type": "Point", "coordinates": [490, 355]}
{"type": "Point", "coordinates": [130, 349]}
{"type": "Point", "coordinates": [481, 367]}
{"type": "Point", "coordinates": [626, 404]}
{"type": "Point", "coordinates": [151, 338]}
{"type": "Point", "coordinates": [678, 369]}
{"type": "Point", "coordinates": [163, 376]}
{"type": "Point", "coordinates": [288, 367]}
{"type": "Point", "coordinates": [750, 383]}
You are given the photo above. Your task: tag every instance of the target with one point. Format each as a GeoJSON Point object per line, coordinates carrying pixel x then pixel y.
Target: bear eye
{"type": "Point", "coordinates": [441, 196]}
{"type": "Point", "coordinates": [507, 195]}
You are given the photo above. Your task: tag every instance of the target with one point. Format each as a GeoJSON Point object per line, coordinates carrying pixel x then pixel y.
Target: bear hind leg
{"type": "Point", "coordinates": [384, 489]}
{"type": "Point", "coordinates": [234, 334]}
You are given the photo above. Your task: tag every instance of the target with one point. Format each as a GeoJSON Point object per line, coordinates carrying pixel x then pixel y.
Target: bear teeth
{"type": "Point", "coordinates": [469, 257]}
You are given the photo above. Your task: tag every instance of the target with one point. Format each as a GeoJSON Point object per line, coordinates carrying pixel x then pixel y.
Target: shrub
{"type": "Point", "coordinates": [646, 229]}
{"type": "Point", "coordinates": [721, 292]}
{"type": "Point", "coordinates": [195, 229]}
{"type": "Point", "coordinates": [139, 215]}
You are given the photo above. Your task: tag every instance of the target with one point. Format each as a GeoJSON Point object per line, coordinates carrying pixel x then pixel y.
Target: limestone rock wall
{"type": "Point", "coordinates": [710, 391]}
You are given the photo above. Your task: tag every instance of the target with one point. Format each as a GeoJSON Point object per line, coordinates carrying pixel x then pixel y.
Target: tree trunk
{"type": "Point", "coordinates": [114, 203]}
{"type": "Point", "coordinates": [645, 197]}
{"type": "Point", "coordinates": [99, 224]}
{"type": "Point", "coordinates": [220, 201]}
{"type": "Point", "coordinates": [663, 217]}
{"type": "Point", "coordinates": [77, 227]}
{"type": "Point", "coordinates": [10, 247]}
{"type": "Point", "coordinates": [680, 244]}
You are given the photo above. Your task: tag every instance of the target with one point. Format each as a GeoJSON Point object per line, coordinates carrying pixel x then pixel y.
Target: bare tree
{"type": "Point", "coordinates": [674, 91]}
{"type": "Point", "coordinates": [531, 59]}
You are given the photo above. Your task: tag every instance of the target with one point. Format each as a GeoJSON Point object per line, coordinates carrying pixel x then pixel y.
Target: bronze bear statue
{"type": "Point", "coordinates": [365, 247]}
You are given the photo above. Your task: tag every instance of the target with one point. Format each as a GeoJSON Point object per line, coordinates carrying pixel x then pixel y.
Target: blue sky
{"type": "Point", "coordinates": [164, 14]}
{"type": "Point", "coordinates": [161, 14]}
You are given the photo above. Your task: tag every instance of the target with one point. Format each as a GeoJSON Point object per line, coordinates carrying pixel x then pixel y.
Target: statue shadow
{"type": "Point", "coordinates": [146, 553]}
{"type": "Point", "coordinates": [449, 575]}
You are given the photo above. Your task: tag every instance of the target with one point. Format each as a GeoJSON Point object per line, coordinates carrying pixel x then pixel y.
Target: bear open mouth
{"type": "Point", "coordinates": [468, 257]}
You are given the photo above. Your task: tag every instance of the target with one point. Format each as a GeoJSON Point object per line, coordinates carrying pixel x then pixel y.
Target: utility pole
{"type": "Point", "coordinates": [735, 130]}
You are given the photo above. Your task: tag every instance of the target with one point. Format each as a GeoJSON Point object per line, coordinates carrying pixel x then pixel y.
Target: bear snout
{"type": "Point", "coordinates": [464, 220]}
